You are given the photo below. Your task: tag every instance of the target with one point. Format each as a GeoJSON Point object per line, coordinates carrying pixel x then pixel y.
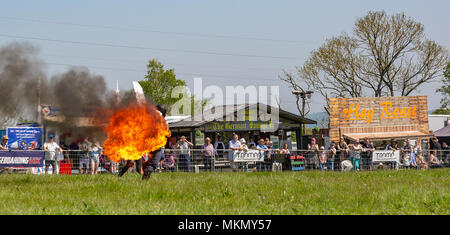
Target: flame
{"type": "Point", "coordinates": [134, 131]}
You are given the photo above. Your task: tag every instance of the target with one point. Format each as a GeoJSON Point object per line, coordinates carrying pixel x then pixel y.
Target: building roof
{"type": "Point", "coordinates": [227, 110]}
{"type": "Point", "coordinates": [443, 132]}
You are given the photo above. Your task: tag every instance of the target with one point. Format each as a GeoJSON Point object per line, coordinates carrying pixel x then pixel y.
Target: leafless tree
{"type": "Point", "coordinates": [385, 56]}
{"type": "Point", "coordinates": [302, 107]}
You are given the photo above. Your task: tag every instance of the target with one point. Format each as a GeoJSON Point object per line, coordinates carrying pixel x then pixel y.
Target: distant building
{"type": "Point", "coordinates": [437, 121]}
{"type": "Point", "coordinates": [245, 120]}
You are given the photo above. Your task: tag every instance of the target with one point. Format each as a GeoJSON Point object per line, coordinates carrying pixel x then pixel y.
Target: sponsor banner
{"type": "Point", "coordinates": [386, 156]}
{"type": "Point", "coordinates": [248, 156]}
{"type": "Point", "coordinates": [50, 111]}
{"type": "Point", "coordinates": [22, 158]}
{"type": "Point", "coordinates": [24, 138]}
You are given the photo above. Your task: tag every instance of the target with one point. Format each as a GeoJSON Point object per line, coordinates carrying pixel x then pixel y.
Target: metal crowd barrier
{"type": "Point", "coordinates": [175, 160]}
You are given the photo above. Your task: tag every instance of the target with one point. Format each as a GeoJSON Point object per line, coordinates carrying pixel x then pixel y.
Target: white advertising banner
{"type": "Point", "coordinates": [386, 156]}
{"type": "Point", "coordinates": [249, 156]}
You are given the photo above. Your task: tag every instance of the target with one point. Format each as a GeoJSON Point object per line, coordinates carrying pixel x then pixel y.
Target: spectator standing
{"type": "Point", "coordinates": [413, 154]}
{"type": "Point", "coordinates": [355, 154]}
{"type": "Point", "coordinates": [322, 158]}
{"type": "Point", "coordinates": [435, 155]}
{"type": "Point", "coordinates": [394, 147]}
{"type": "Point", "coordinates": [266, 142]}
{"type": "Point", "coordinates": [4, 146]}
{"type": "Point", "coordinates": [331, 156]}
{"type": "Point", "coordinates": [285, 149]}
{"type": "Point", "coordinates": [208, 154]}
{"type": "Point", "coordinates": [341, 152]}
{"type": "Point", "coordinates": [407, 152]}
{"type": "Point", "coordinates": [417, 149]}
{"type": "Point", "coordinates": [367, 152]}
{"type": "Point", "coordinates": [234, 145]}
{"type": "Point", "coordinates": [95, 157]}
{"type": "Point", "coordinates": [262, 147]}
{"type": "Point", "coordinates": [272, 150]}
{"type": "Point", "coordinates": [50, 148]}
{"type": "Point", "coordinates": [85, 147]}
{"type": "Point", "coordinates": [184, 158]}
{"type": "Point", "coordinates": [4, 143]}
{"type": "Point", "coordinates": [313, 152]}
{"type": "Point", "coordinates": [270, 154]}
{"type": "Point", "coordinates": [437, 148]}
{"type": "Point", "coordinates": [220, 147]}
{"type": "Point", "coordinates": [407, 147]}
{"type": "Point", "coordinates": [244, 147]}
{"type": "Point", "coordinates": [418, 157]}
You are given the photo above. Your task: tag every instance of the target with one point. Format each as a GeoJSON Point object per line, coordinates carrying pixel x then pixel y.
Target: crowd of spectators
{"type": "Point", "coordinates": [179, 156]}
{"type": "Point", "coordinates": [360, 155]}
{"type": "Point", "coordinates": [89, 155]}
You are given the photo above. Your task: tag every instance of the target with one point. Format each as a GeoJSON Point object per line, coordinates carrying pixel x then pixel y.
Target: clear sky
{"type": "Point", "coordinates": [282, 32]}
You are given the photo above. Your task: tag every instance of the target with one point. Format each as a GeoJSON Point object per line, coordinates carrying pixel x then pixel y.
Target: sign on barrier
{"type": "Point", "coordinates": [386, 156]}
{"type": "Point", "coordinates": [249, 156]}
{"type": "Point", "coordinates": [24, 138]}
{"type": "Point", "coordinates": [22, 158]}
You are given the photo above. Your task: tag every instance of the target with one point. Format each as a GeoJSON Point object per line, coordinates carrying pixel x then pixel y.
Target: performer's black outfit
{"type": "Point", "coordinates": [129, 163]}
{"type": "Point", "coordinates": [151, 164]}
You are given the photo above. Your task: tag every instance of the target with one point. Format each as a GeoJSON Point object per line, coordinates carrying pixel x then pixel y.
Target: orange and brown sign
{"type": "Point", "coordinates": [378, 117]}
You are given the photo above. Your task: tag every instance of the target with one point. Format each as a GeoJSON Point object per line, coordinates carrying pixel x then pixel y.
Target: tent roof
{"type": "Point", "coordinates": [443, 132]}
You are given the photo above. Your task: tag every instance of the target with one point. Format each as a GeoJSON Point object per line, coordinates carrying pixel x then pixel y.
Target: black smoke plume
{"type": "Point", "coordinates": [78, 94]}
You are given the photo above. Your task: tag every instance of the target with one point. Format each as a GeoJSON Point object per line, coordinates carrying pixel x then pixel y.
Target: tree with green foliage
{"type": "Point", "coordinates": [159, 83]}
{"type": "Point", "coordinates": [164, 88]}
{"type": "Point", "coordinates": [445, 91]}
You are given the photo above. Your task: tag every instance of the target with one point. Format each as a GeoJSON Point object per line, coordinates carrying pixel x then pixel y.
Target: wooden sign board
{"type": "Point", "coordinates": [371, 115]}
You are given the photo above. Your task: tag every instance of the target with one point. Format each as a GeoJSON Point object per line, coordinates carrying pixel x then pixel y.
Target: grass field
{"type": "Point", "coordinates": [380, 192]}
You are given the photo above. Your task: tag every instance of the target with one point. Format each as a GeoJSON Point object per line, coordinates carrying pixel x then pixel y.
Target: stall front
{"type": "Point", "coordinates": [379, 118]}
{"type": "Point", "coordinates": [246, 120]}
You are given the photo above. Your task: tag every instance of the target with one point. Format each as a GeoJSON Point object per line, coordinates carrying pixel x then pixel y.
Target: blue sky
{"type": "Point", "coordinates": [308, 23]}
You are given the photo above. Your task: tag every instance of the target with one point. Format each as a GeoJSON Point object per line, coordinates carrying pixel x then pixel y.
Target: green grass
{"type": "Point", "coordinates": [380, 192]}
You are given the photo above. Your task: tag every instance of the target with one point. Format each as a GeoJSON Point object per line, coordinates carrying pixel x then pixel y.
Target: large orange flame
{"type": "Point", "coordinates": [134, 131]}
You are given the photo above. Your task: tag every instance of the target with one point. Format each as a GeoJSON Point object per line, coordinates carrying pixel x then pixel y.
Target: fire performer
{"type": "Point", "coordinates": [149, 162]}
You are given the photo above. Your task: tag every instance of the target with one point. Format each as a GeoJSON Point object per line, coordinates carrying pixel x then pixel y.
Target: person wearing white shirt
{"type": "Point", "coordinates": [51, 157]}
{"type": "Point", "coordinates": [233, 145]}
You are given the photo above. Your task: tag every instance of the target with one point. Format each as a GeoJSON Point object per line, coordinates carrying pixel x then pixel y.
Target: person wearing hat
{"type": "Point", "coordinates": [243, 144]}
{"type": "Point", "coordinates": [244, 147]}
{"type": "Point", "coordinates": [50, 149]}
{"type": "Point", "coordinates": [4, 144]}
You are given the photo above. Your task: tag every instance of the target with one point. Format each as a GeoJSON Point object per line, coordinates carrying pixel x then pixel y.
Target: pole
{"type": "Point", "coordinates": [38, 117]}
